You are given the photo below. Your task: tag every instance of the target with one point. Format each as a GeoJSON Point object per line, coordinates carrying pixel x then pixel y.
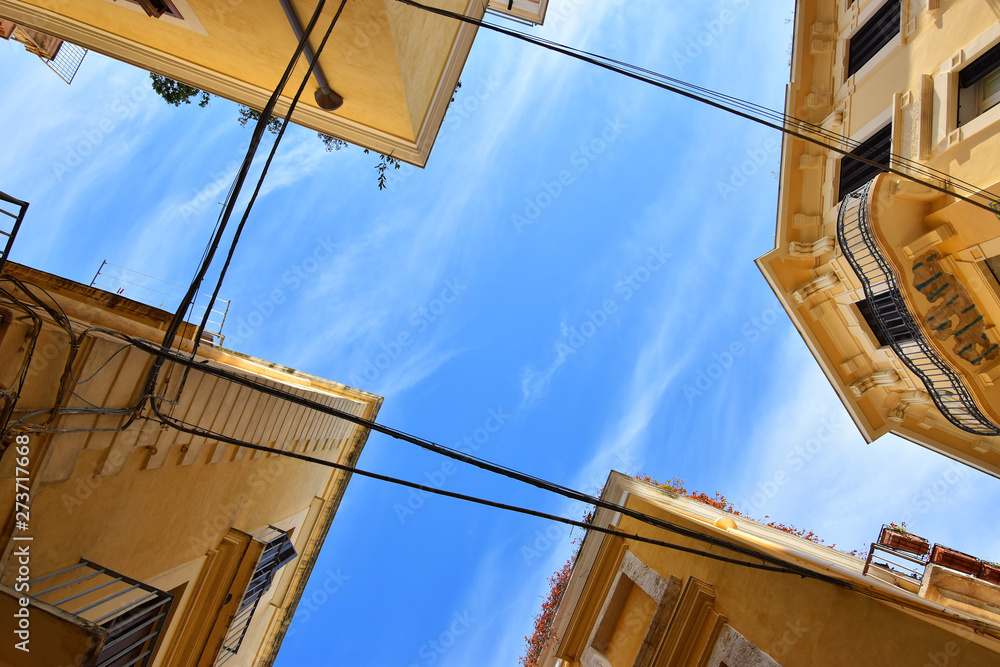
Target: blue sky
{"type": "Point", "coordinates": [559, 290]}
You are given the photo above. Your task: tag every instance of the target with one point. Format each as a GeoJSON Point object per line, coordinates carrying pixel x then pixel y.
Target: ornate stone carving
{"type": "Point", "coordinates": [954, 301]}
{"type": "Point", "coordinates": [818, 284]}
{"type": "Point", "coordinates": [883, 378]}
{"type": "Point", "coordinates": [814, 249]}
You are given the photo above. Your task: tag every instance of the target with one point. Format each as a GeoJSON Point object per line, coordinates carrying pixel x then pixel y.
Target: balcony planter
{"type": "Point", "coordinates": [990, 572]}
{"type": "Point", "coordinates": [956, 560]}
{"type": "Point", "coordinates": [902, 541]}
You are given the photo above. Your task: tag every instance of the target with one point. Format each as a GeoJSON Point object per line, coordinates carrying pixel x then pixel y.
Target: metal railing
{"type": "Point", "coordinates": [67, 61]}
{"type": "Point", "coordinates": [269, 563]}
{"type": "Point", "coordinates": [133, 613]}
{"type": "Point", "coordinates": [160, 294]}
{"type": "Point", "coordinates": [890, 561]}
{"type": "Point", "coordinates": [10, 209]}
{"type": "Point", "coordinates": [895, 322]}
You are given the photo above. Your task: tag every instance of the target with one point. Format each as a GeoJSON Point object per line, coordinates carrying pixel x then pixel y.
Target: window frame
{"type": "Point", "coordinates": [972, 94]}
{"type": "Point", "coordinates": [866, 144]}
{"type": "Point", "coordinates": [869, 25]}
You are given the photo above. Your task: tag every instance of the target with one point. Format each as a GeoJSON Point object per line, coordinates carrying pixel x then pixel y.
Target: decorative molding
{"type": "Point", "coordinates": [821, 45]}
{"type": "Point", "coordinates": [904, 400]}
{"type": "Point", "coordinates": [811, 161]}
{"type": "Point", "coordinates": [694, 627]}
{"type": "Point", "coordinates": [835, 119]}
{"type": "Point", "coordinates": [818, 247]}
{"type": "Point", "coordinates": [803, 220]}
{"type": "Point", "coordinates": [929, 240]}
{"type": "Point", "coordinates": [883, 378]}
{"type": "Point", "coordinates": [814, 286]}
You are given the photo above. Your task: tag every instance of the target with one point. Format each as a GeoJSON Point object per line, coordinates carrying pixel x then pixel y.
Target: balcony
{"type": "Point", "coordinates": [940, 575]}
{"type": "Point", "coordinates": [11, 214]}
{"type": "Point", "coordinates": [122, 616]}
{"type": "Point", "coordinates": [895, 324]}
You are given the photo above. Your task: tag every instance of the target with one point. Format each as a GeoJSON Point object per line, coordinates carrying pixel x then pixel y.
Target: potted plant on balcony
{"type": "Point", "coordinates": [896, 536]}
{"type": "Point", "coordinates": [990, 572]}
{"type": "Point", "coordinates": [956, 560]}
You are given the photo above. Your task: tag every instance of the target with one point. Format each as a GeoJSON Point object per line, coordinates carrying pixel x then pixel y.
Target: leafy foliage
{"type": "Point", "coordinates": [248, 115]}
{"type": "Point", "coordinates": [544, 628]}
{"type": "Point", "coordinates": [384, 162]}
{"type": "Point", "coordinates": [176, 93]}
{"type": "Point", "coordinates": [331, 143]}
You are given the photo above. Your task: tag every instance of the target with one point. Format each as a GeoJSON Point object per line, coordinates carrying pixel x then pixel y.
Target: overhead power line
{"type": "Point", "coordinates": [777, 564]}
{"type": "Point", "coordinates": [572, 494]}
{"type": "Point", "coordinates": [790, 125]}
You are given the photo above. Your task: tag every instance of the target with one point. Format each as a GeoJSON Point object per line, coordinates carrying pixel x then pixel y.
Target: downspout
{"type": "Point", "coordinates": [326, 97]}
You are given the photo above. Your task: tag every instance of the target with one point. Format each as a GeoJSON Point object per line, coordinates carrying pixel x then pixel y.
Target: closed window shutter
{"type": "Point", "coordinates": [979, 68]}
{"type": "Point", "coordinates": [873, 35]}
{"type": "Point", "coordinates": [854, 173]}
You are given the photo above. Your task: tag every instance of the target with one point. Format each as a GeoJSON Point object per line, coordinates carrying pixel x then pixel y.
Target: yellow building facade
{"type": "Point", "coordinates": [634, 604]}
{"type": "Point", "coordinates": [893, 284]}
{"type": "Point", "coordinates": [395, 67]}
{"type": "Point", "coordinates": [125, 536]}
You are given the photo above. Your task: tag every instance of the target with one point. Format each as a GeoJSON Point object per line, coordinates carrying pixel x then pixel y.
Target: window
{"type": "Point", "coordinates": [979, 86]}
{"type": "Point", "coordinates": [873, 35]}
{"type": "Point", "coordinates": [884, 320]}
{"type": "Point", "coordinates": [157, 8]}
{"type": "Point", "coordinates": [854, 173]}
{"type": "Point", "coordinates": [278, 552]}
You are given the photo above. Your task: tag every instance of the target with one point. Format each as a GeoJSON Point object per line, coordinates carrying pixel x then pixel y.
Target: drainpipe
{"type": "Point", "coordinates": [326, 97]}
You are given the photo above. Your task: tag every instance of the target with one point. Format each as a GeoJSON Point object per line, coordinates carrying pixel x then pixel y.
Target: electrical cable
{"type": "Point", "coordinates": [778, 565]}
{"type": "Point", "coordinates": [788, 124]}
{"type": "Point", "coordinates": [260, 181]}
{"type": "Point", "coordinates": [241, 176]}
{"type": "Point", "coordinates": [537, 482]}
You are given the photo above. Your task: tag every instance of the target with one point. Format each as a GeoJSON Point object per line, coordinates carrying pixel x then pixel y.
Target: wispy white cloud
{"type": "Point", "coordinates": [810, 466]}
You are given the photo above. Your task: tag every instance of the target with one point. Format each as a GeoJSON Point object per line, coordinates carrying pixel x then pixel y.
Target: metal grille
{"type": "Point", "coordinates": [277, 552]}
{"type": "Point", "coordinates": [11, 214]}
{"type": "Point", "coordinates": [66, 61]}
{"type": "Point", "coordinates": [879, 281]}
{"type": "Point", "coordinates": [873, 35]}
{"type": "Point", "coordinates": [133, 613]}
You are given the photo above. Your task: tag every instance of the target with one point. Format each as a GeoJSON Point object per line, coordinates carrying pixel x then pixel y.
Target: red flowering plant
{"type": "Point", "coordinates": [544, 630]}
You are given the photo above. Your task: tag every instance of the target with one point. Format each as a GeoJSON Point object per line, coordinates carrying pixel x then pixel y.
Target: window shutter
{"type": "Point", "coordinates": [853, 173]}
{"type": "Point", "coordinates": [155, 8]}
{"type": "Point", "coordinates": [979, 67]}
{"type": "Point", "coordinates": [873, 35]}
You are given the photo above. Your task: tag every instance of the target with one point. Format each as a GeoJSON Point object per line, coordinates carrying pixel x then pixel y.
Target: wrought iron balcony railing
{"type": "Point", "coordinates": [897, 326]}
{"type": "Point", "coordinates": [132, 612]}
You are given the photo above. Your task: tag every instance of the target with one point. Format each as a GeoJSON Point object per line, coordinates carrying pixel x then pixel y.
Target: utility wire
{"type": "Point", "coordinates": [241, 176]}
{"type": "Point", "coordinates": [775, 120]}
{"type": "Point", "coordinates": [572, 494]}
{"type": "Point", "coordinates": [260, 181]}
{"type": "Point", "coordinates": [777, 564]}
